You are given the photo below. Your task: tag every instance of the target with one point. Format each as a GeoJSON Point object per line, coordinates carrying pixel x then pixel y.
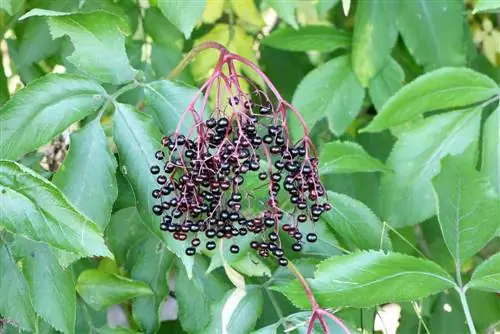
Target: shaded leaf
{"type": "Point", "coordinates": [183, 14]}
{"type": "Point", "coordinates": [374, 37]}
{"type": "Point", "coordinates": [468, 208]}
{"type": "Point", "coordinates": [447, 315]}
{"type": "Point", "coordinates": [36, 43]}
{"type": "Point", "coordinates": [6, 5]}
{"type": "Point", "coordinates": [149, 261]}
{"type": "Point", "coordinates": [406, 196]}
{"type": "Point", "coordinates": [100, 289]}
{"type": "Point", "coordinates": [309, 38]}
{"type": "Point", "coordinates": [356, 225]}
{"type": "Point", "coordinates": [432, 40]}
{"type": "Point", "coordinates": [44, 109]}
{"type": "Point", "coordinates": [161, 30]}
{"type": "Point", "coordinates": [365, 279]}
{"type": "Point", "coordinates": [491, 149]}
{"type": "Point", "coordinates": [347, 157]}
{"type": "Point", "coordinates": [446, 88]}
{"type": "Point", "coordinates": [87, 176]}
{"type": "Point", "coordinates": [385, 83]}
{"type": "Point", "coordinates": [324, 6]}
{"type": "Point", "coordinates": [52, 287]}
{"type": "Point", "coordinates": [34, 208]}
{"type": "Point", "coordinates": [15, 304]}
{"type": "Point", "coordinates": [331, 90]}
{"type": "Point", "coordinates": [137, 140]}
{"type": "Point", "coordinates": [247, 12]}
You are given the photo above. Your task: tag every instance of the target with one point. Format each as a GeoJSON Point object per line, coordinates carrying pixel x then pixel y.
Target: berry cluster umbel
{"type": "Point", "coordinates": [204, 175]}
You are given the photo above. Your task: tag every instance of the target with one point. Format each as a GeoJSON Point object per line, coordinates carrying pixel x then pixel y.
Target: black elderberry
{"type": "Point", "coordinates": [254, 245]}
{"type": "Point", "coordinates": [262, 176]}
{"type": "Point", "coordinates": [159, 155]}
{"type": "Point", "coordinates": [210, 245]}
{"type": "Point", "coordinates": [311, 237]}
{"type": "Point", "coordinates": [234, 249]}
{"type": "Point", "coordinates": [164, 227]}
{"type": "Point", "coordinates": [190, 251]}
{"type": "Point", "coordinates": [283, 262]}
{"type": "Point", "coordinates": [154, 169]}
{"type": "Point", "coordinates": [265, 110]}
{"type": "Point", "coordinates": [211, 122]}
{"type": "Point", "coordinates": [297, 247]}
{"type": "Point", "coordinates": [157, 210]}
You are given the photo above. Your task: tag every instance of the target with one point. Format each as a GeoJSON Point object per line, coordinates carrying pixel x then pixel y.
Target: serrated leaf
{"type": "Point", "coordinates": [286, 10]}
{"type": "Point", "coordinates": [124, 229]}
{"type": "Point", "coordinates": [468, 208]}
{"type": "Point", "coordinates": [194, 313]}
{"type": "Point", "coordinates": [15, 304]}
{"type": "Point", "coordinates": [87, 176]}
{"type": "Point", "coordinates": [100, 289]}
{"type": "Point", "coordinates": [486, 6]}
{"type": "Point", "coordinates": [247, 12]}
{"type": "Point", "coordinates": [386, 83]}
{"type": "Point", "coordinates": [167, 101]}
{"type": "Point", "coordinates": [309, 38]}
{"type": "Point", "coordinates": [137, 140]}
{"type": "Point", "coordinates": [347, 157]}
{"type": "Point", "coordinates": [356, 225]}
{"type": "Point", "coordinates": [331, 90]}
{"type": "Point", "coordinates": [36, 43]}
{"type": "Point", "coordinates": [374, 37]}
{"type": "Point", "coordinates": [446, 88]}
{"type": "Point", "coordinates": [43, 109]}
{"type": "Point", "coordinates": [433, 41]}
{"type": "Point", "coordinates": [161, 30]}
{"type": "Point", "coordinates": [406, 196]}
{"type": "Point", "coordinates": [365, 279]}
{"type": "Point", "coordinates": [34, 208]}
{"type": "Point", "coordinates": [491, 149]}
{"type": "Point", "coordinates": [149, 261]}
{"type": "Point", "coordinates": [183, 14]}
{"type": "Point", "coordinates": [98, 40]}
{"type": "Point", "coordinates": [487, 275]}
{"type": "Point", "coordinates": [52, 287]}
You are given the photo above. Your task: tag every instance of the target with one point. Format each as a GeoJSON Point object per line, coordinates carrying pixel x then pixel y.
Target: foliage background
{"type": "Point", "coordinates": [402, 99]}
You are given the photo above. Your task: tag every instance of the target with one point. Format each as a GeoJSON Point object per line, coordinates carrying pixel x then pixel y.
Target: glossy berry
{"type": "Point", "coordinates": [234, 249]}
{"type": "Point", "coordinates": [311, 237]}
{"type": "Point", "coordinates": [190, 251]}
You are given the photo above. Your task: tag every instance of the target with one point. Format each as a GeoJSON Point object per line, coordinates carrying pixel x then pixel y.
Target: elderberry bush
{"type": "Point", "coordinates": [201, 174]}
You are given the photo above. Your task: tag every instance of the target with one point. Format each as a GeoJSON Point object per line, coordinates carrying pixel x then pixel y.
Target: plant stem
{"type": "Point", "coordinates": [463, 299]}
{"type": "Point", "coordinates": [192, 54]}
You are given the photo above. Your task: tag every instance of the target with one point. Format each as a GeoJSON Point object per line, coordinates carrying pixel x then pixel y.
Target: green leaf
{"type": "Point", "coordinates": [309, 38]}
{"type": "Point", "coordinates": [100, 289]}
{"type": "Point", "coordinates": [446, 88]}
{"type": "Point", "coordinates": [194, 313]}
{"type": "Point", "coordinates": [246, 12]}
{"type": "Point", "coordinates": [356, 225]}
{"type": "Point", "coordinates": [365, 279]}
{"type": "Point", "coordinates": [491, 149]}
{"type": "Point", "coordinates": [347, 157]}
{"type": "Point", "coordinates": [15, 304]}
{"type": "Point", "coordinates": [124, 229]}
{"type": "Point", "coordinates": [468, 208]}
{"type": "Point", "coordinates": [406, 196]}
{"type": "Point", "coordinates": [115, 330]}
{"type": "Point", "coordinates": [215, 9]}
{"type": "Point", "coordinates": [137, 140]}
{"type": "Point", "coordinates": [167, 101]}
{"type": "Point", "coordinates": [44, 109]}
{"type": "Point", "coordinates": [6, 6]}
{"type": "Point", "coordinates": [286, 10]}
{"type": "Point", "coordinates": [487, 275]}
{"type": "Point", "coordinates": [433, 41]}
{"type": "Point", "coordinates": [331, 90]}
{"type": "Point", "coordinates": [34, 208]}
{"type": "Point", "coordinates": [87, 176]}
{"type": "Point", "coordinates": [374, 37]}
{"type": "Point", "coordinates": [36, 43]}
{"type": "Point", "coordinates": [237, 312]}
{"type": "Point", "coordinates": [98, 41]}
{"type": "Point", "coordinates": [161, 30]}
{"type": "Point", "coordinates": [4, 89]}
{"type": "Point", "coordinates": [447, 315]}
{"type": "Point", "coordinates": [52, 287]}
{"type": "Point", "coordinates": [386, 83]}
{"type": "Point", "coordinates": [323, 6]}
{"type": "Point", "coordinates": [149, 261]}
{"type": "Point", "coordinates": [183, 14]}
{"type": "Point", "coordinates": [486, 6]}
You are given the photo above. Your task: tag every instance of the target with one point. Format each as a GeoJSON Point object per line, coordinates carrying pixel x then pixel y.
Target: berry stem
{"type": "Point", "coordinates": [317, 311]}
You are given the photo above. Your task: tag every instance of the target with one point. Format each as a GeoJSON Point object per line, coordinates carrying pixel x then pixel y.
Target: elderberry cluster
{"type": "Point", "coordinates": [202, 176]}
